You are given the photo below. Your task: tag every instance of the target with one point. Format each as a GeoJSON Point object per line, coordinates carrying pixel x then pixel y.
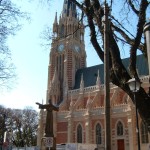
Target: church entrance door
{"type": "Point", "coordinates": [120, 144]}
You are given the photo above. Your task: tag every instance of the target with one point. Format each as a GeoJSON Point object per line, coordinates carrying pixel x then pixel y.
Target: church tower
{"type": "Point", "coordinates": [67, 53]}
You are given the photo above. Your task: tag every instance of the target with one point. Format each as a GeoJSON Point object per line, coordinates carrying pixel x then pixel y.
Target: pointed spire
{"type": "Point", "coordinates": [55, 22]}
{"type": "Point", "coordinates": [98, 82]}
{"type": "Point", "coordinates": [82, 83]}
{"type": "Point", "coordinates": [55, 26]}
{"type": "Point", "coordinates": [89, 98]}
{"type": "Point", "coordinates": [60, 19]}
{"type": "Point", "coordinates": [67, 6]}
{"type": "Point", "coordinates": [70, 12]}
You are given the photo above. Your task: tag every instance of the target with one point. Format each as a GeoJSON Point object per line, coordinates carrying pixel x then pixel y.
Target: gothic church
{"type": "Point", "coordinates": [79, 92]}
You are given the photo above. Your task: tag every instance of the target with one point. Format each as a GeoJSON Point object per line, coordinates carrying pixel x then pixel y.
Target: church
{"type": "Point", "coordinates": [79, 92]}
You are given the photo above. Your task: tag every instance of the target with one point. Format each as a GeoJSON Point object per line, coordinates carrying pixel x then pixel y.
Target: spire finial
{"type": "Point", "coordinates": [98, 82]}
{"type": "Point", "coordinates": [82, 83]}
{"type": "Point", "coordinates": [55, 18]}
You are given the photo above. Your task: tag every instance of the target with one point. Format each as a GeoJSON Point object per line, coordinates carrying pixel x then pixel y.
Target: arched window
{"type": "Point", "coordinates": [98, 134]}
{"type": "Point", "coordinates": [79, 134]}
{"type": "Point", "coordinates": [144, 133]}
{"type": "Point", "coordinates": [119, 128]}
{"type": "Point", "coordinates": [62, 31]}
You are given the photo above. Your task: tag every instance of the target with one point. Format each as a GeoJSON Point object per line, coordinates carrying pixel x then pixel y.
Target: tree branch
{"type": "Point", "coordinates": [137, 40]}
{"type": "Point", "coordinates": [89, 12]}
{"type": "Point", "coordinates": [133, 7]}
{"type": "Point", "coordinates": [127, 38]}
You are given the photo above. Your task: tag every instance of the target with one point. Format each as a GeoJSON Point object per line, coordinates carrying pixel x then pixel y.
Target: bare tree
{"type": "Point", "coordinates": [9, 17]}
{"type": "Point", "coordinates": [127, 19]}
{"type": "Point", "coordinates": [126, 27]}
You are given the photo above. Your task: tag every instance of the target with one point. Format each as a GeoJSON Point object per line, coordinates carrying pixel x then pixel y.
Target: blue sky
{"type": "Point", "coordinates": [31, 60]}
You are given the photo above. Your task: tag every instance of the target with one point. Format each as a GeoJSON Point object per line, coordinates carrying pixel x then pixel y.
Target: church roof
{"type": "Point", "coordinates": [90, 73]}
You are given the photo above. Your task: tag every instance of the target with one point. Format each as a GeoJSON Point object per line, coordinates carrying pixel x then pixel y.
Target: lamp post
{"type": "Point", "coordinates": [134, 86]}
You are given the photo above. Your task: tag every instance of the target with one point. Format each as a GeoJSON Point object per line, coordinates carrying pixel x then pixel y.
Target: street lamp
{"type": "Point", "coordinates": [134, 86]}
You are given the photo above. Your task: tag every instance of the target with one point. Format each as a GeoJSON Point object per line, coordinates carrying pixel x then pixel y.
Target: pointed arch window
{"type": "Point", "coordinates": [62, 31]}
{"type": "Point", "coordinates": [98, 134]}
{"type": "Point", "coordinates": [119, 128]}
{"type": "Point", "coordinates": [79, 134]}
{"type": "Point", "coordinates": [144, 133]}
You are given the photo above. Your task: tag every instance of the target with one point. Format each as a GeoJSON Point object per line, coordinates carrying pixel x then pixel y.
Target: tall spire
{"type": "Point", "coordinates": [55, 25]}
{"type": "Point", "coordinates": [82, 84]}
{"type": "Point", "coordinates": [55, 21]}
{"type": "Point", "coordinates": [68, 5]}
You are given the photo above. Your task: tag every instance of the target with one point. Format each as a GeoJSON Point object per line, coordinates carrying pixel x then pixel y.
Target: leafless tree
{"type": "Point", "coordinates": [127, 19]}
{"type": "Point", "coordinates": [9, 17]}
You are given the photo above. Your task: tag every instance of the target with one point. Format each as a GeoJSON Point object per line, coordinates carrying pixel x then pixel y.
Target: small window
{"type": "Point", "coordinates": [144, 133]}
{"type": "Point", "coordinates": [119, 129]}
{"type": "Point", "coordinates": [98, 134]}
{"type": "Point", "coordinates": [62, 31]}
{"type": "Point", "coordinates": [79, 134]}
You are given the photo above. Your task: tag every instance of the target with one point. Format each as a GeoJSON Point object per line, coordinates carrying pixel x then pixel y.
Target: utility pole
{"type": "Point", "coordinates": [107, 79]}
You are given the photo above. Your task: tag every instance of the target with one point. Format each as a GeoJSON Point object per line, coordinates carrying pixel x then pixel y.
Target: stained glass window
{"type": "Point", "coordinates": [79, 134]}
{"type": "Point", "coordinates": [98, 134]}
{"type": "Point", "coordinates": [119, 128]}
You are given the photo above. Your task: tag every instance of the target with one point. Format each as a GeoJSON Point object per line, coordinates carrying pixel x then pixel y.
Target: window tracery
{"type": "Point", "coordinates": [98, 134]}
{"type": "Point", "coordinates": [79, 134]}
{"type": "Point", "coordinates": [119, 128]}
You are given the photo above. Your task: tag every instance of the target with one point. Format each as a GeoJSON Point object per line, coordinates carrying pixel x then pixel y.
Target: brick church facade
{"type": "Point", "coordinates": [79, 92]}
